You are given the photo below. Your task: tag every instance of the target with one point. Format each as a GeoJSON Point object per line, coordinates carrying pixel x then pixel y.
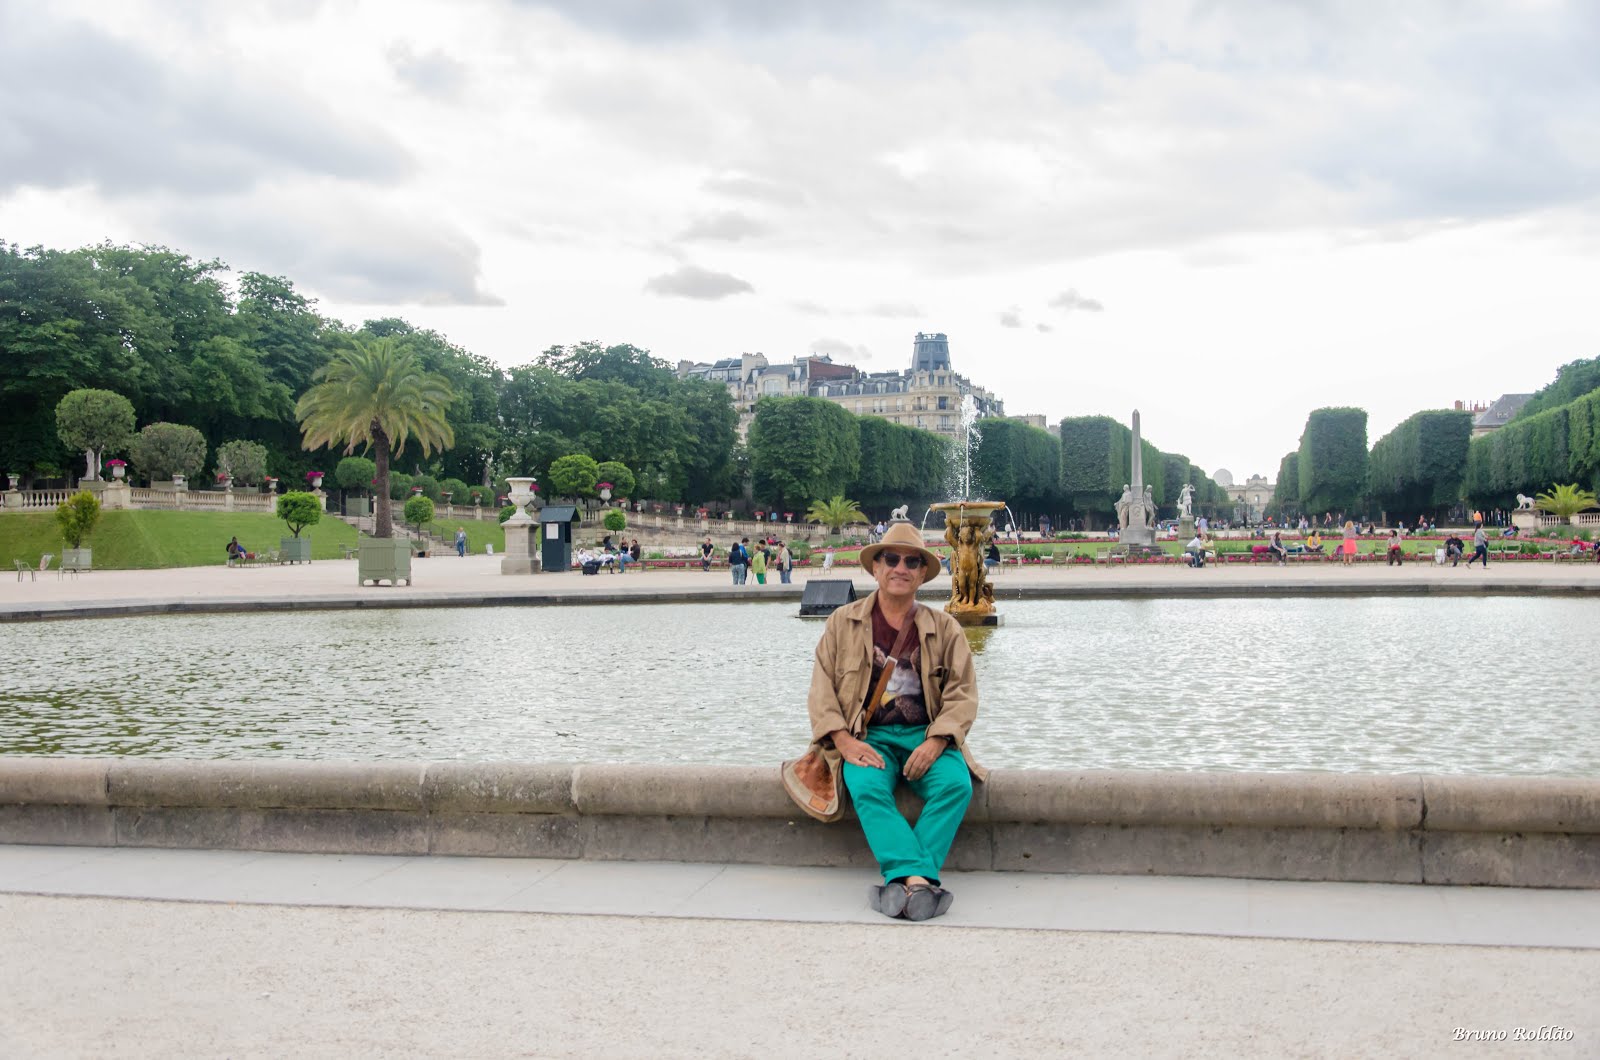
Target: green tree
{"type": "Point", "coordinates": [621, 479]}
{"type": "Point", "coordinates": [1566, 501]}
{"type": "Point", "coordinates": [1573, 380]}
{"type": "Point", "coordinates": [575, 475]}
{"type": "Point", "coordinates": [355, 473]}
{"type": "Point", "coordinates": [834, 513]}
{"type": "Point", "coordinates": [299, 510]}
{"type": "Point", "coordinates": [802, 447]}
{"type": "Point", "coordinates": [430, 487]}
{"type": "Point", "coordinates": [419, 511]}
{"type": "Point", "coordinates": [374, 394]}
{"type": "Point", "coordinates": [614, 520]}
{"type": "Point", "coordinates": [94, 422]}
{"type": "Point", "coordinates": [166, 450]}
{"type": "Point", "coordinates": [1018, 464]}
{"type": "Point", "coordinates": [243, 461]}
{"type": "Point", "coordinates": [460, 492]}
{"type": "Point", "coordinates": [76, 517]}
{"type": "Point", "coordinates": [1332, 468]}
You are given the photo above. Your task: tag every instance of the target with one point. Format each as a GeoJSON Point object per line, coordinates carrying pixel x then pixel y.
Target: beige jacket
{"type": "Point", "coordinates": [842, 676]}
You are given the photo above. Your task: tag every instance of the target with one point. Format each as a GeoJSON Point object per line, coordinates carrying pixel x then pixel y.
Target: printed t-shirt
{"type": "Point", "coordinates": [902, 702]}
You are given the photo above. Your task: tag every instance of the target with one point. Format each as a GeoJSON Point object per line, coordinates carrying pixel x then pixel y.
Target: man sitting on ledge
{"type": "Point", "coordinates": [905, 716]}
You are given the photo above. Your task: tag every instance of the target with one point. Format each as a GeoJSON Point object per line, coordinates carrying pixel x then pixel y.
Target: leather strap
{"type": "Point", "coordinates": [889, 664]}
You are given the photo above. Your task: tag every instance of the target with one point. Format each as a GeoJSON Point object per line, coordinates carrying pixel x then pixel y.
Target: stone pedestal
{"type": "Point", "coordinates": [322, 498]}
{"type": "Point", "coordinates": [116, 496]}
{"type": "Point", "coordinates": [522, 552]}
{"type": "Point", "coordinates": [1186, 528]}
{"type": "Point", "coordinates": [1526, 518]}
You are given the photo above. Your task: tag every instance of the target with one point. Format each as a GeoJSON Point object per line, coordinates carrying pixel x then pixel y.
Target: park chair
{"type": "Point", "coordinates": [34, 572]}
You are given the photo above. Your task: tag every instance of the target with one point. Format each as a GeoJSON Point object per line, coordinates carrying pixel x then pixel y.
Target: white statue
{"type": "Point", "coordinates": [1149, 506]}
{"type": "Point", "coordinates": [1125, 506]}
{"type": "Point", "coordinates": [1185, 501]}
{"type": "Point", "coordinates": [899, 514]}
{"type": "Point", "coordinates": [1524, 502]}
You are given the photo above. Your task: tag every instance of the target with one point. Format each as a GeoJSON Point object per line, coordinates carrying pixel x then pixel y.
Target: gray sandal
{"type": "Point", "coordinates": [890, 899]}
{"type": "Point", "coordinates": [926, 901]}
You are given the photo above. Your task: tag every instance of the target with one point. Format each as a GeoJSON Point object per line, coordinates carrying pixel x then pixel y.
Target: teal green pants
{"type": "Point", "coordinates": [945, 789]}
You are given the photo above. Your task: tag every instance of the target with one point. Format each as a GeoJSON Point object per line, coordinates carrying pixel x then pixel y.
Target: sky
{"type": "Point", "coordinates": [1223, 214]}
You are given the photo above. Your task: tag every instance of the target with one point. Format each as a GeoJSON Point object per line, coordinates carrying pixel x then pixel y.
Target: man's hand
{"type": "Point", "coordinates": [924, 756]}
{"type": "Point", "coordinates": [856, 752]}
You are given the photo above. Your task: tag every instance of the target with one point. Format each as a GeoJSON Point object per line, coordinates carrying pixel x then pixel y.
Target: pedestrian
{"type": "Point", "coordinates": [1480, 546]}
{"type": "Point", "coordinates": [1347, 545]}
{"type": "Point", "coordinates": [706, 549]}
{"type": "Point", "coordinates": [461, 541]}
{"type": "Point", "coordinates": [785, 563]}
{"type": "Point", "coordinates": [736, 562]}
{"type": "Point", "coordinates": [758, 564]}
{"type": "Point", "coordinates": [908, 724]}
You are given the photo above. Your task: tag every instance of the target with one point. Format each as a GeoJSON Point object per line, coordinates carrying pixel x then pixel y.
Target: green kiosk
{"type": "Point", "coordinates": [555, 533]}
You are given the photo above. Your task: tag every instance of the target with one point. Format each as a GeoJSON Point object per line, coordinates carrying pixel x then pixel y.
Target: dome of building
{"type": "Point", "coordinates": [1223, 477]}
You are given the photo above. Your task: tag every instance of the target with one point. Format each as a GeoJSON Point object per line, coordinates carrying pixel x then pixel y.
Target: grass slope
{"type": "Point", "coordinates": [150, 540]}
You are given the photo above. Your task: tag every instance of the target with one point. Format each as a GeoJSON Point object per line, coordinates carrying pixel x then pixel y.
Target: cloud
{"type": "Point", "coordinates": [81, 107]}
{"type": "Point", "coordinates": [657, 20]}
{"type": "Point", "coordinates": [1045, 328]}
{"type": "Point", "coordinates": [1011, 318]}
{"type": "Point", "coordinates": [894, 310]}
{"type": "Point", "coordinates": [344, 245]}
{"type": "Point", "coordinates": [728, 227]}
{"type": "Point", "coordinates": [756, 189]}
{"type": "Point", "coordinates": [841, 350]}
{"type": "Point", "coordinates": [691, 281]}
{"type": "Point", "coordinates": [432, 73]}
{"type": "Point", "coordinates": [815, 309]}
{"type": "Point", "coordinates": [1070, 300]}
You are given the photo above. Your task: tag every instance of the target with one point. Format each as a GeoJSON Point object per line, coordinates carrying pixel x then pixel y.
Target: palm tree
{"type": "Point", "coordinates": [376, 394]}
{"type": "Point", "coordinates": [835, 512]}
{"type": "Point", "coordinates": [1566, 501]}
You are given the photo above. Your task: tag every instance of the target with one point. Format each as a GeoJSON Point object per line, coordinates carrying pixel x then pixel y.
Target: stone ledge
{"type": "Point", "coordinates": [1540, 832]}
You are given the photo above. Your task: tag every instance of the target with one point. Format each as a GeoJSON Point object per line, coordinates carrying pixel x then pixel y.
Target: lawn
{"type": "Point", "coordinates": [142, 540]}
{"type": "Point", "coordinates": [479, 533]}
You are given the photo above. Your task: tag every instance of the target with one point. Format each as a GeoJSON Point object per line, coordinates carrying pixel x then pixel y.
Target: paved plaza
{"type": "Point", "coordinates": [448, 580]}
{"type": "Point", "coordinates": [156, 953]}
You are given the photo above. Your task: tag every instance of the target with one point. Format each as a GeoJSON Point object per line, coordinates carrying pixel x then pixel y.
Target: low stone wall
{"type": "Point", "coordinates": [1538, 832]}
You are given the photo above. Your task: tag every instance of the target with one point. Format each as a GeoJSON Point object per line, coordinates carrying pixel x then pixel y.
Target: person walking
{"type": "Point", "coordinates": [904, 721]}
{"type": "Point", "coordinates": [1480, 546]}
{"type": "Point", "coordinates": [785, 563]}
{"type": "Point", "coordinates": [461, 541]}
{"type": "Point", "coordinates": [758, 564]}
{"type": "Point", "coordinates": [736, 562]}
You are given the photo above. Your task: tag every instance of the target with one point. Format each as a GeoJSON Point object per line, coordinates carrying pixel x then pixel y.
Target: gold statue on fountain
{"type": "Point", "coordinates": [968, 529]}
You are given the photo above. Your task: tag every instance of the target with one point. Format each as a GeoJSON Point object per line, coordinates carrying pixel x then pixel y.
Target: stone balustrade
{"type": "Point", "coordinates": [1529, 832]}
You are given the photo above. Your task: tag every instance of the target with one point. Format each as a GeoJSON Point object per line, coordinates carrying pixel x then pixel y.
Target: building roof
{"type": "Point", "coordinates": [558, 513]}
{"type": "Point", "coordinates": [1499, 413]}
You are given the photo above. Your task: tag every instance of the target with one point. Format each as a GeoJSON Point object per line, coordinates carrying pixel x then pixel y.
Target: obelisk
{"type": "Point", "coordinates": [1139, 530]}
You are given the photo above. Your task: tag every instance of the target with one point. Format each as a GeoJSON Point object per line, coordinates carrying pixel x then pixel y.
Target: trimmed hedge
{"type": "Point", "coordinates": [1528, 455]}
{"type": "Point", "coordinates": [1018, 464]}
{"type": "Point", "coordinates": [900, 465]}
{"type": "Point", "coordinates": [1420, 465]}
{"type": "Point", "coordinates": [1332, 471]}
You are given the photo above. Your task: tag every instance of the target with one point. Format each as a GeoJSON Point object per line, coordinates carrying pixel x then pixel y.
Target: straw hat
{"type": "Point", "coordinates": [903, 538]}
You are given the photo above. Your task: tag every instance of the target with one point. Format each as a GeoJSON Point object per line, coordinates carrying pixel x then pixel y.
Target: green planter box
{"type": "Point", "coordinates": [76, 558]}
{"type": "Point", "coordinates": [294, 549]}
{"type": "Point", "coordinates": [383, 559]}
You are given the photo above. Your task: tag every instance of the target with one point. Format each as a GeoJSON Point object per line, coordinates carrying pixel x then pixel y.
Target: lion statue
{"type": "Point", "coordinates": [899, 514]}
{"type": "Point", "coordinates": [1524, 502]}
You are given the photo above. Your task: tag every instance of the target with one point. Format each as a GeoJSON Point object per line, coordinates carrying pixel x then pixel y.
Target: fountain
{"type": "Point", "coordinates": [968, 529]}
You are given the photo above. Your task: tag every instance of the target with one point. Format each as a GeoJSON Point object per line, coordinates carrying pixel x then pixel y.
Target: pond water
{"type": "Point", "coordinates": [1383, 684]}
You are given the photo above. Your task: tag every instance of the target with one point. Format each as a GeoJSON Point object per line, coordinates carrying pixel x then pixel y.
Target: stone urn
{"type": "Point", "coordinates": [968, 529]}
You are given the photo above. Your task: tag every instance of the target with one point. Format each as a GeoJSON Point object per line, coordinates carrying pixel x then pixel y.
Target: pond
{"type": "Point", "coordinates": [1383, 685]}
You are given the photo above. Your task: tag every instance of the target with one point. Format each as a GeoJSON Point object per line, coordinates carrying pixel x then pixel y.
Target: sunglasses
{"type": "Point", "coordinates": [894, 559]}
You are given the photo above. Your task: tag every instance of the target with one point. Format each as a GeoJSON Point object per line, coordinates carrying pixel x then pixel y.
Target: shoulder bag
{"type": "Point", "coordinates": [813, 780]}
